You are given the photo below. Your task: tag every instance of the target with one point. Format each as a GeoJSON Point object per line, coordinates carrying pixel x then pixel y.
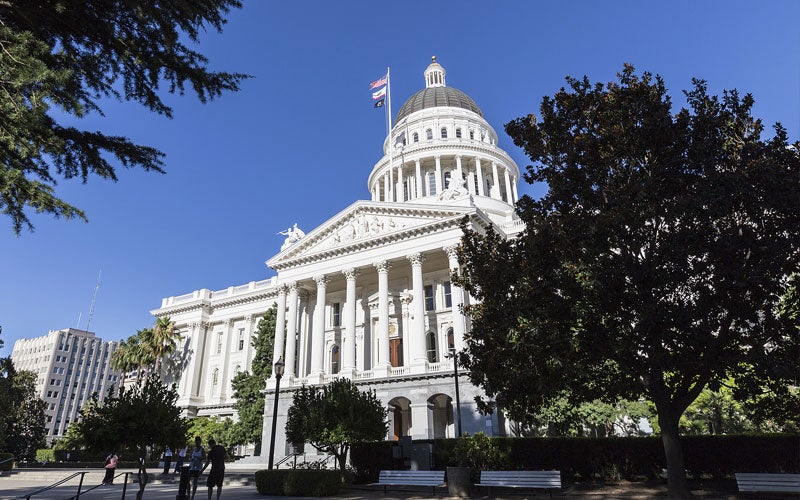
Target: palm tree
{"type": "Point", "coordinates": [163, 341]}
{"type": "Point", "coordinates": [134, 354]}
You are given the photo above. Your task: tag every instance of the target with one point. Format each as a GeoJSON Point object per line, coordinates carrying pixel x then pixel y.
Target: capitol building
{"type": "Point", "coordinates": [367, 295]}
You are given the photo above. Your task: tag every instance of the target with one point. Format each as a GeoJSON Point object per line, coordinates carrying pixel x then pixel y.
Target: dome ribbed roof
{"type": "Point", "coordinates": [433, 97]}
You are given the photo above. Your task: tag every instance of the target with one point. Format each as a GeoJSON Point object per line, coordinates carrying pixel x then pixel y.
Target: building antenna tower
{"type": "Point", "coordinates": [94, 299]}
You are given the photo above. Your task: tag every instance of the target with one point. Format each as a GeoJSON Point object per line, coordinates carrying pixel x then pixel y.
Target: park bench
{"type": "Point", "coordinates": [786, 483]}
{"type": "Point", "coordinates": [432, 478]}
{"type": "Point", "coordinates": [530, 479]}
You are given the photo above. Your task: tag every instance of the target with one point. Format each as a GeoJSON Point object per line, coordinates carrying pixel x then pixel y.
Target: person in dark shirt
{"type": "Point", "coordinates": [216, 457]}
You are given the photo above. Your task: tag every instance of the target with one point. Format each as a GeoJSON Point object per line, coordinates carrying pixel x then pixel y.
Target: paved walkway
{"type": "Point", "coordinates": [12, 488]}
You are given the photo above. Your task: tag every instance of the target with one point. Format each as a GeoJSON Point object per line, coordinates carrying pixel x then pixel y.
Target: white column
{"type": "Point", "coordinates": [349, 341]}
{"type": "Point", "coordinates": [471, 183]}
{"type": "Point", "coordinates": [383, 313]}
{"type": "Point", "coordinates": [480, 176]}
{"type": "Point", "coordinates": [419, 179]}
{"type": "Point", "coordinates": [459, 172]}
{"type": "Point", "coordinates": [438, 174]}
{"type": "Point", "coordinates": [417, 334]}
{"type": "Point", "coordinates": [391, 184]}
{"type": "Point", "coordinates": [291, 332]}
{"type": "Point", "coordinates": [457, 299]}
{"type": "Point", "coordinates": [496, 182]}
{"type": "Point", "coordinates": [280, 327]}
{"type": "Point", "coordinates": [386, 186]}
{"type": "Point", "coordinates": [399, 189]}
{"type": "Point", "coordinates": [509, 194]}
{"type": "Point", "coordinates": [318, 328]}
{"type": "Point", "coordinates": [514, 188]}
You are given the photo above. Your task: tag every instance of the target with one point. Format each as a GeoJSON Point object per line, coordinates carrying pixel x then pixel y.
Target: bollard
{"type": "Point", "coordinates": [183, 488]}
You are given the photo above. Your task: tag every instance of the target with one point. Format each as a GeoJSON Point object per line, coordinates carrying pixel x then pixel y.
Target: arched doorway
{"type": "Point", "coordinates": [399, 417]}
{"type": "Point", "coordinates": [440, 407]}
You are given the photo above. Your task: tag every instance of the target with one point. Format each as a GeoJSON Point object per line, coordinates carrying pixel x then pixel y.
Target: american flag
{"type": "Point", "coordinates": [377, 83]}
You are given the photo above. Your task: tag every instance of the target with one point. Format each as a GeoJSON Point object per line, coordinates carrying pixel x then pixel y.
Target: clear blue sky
{"type": "Point", "coordinates": [299, 140]}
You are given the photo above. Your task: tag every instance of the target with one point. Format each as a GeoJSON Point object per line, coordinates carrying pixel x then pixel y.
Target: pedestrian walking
{"type": "Point", "coordinates": [196, 459]}
{"type": "Point", "coordinates": [167, 459]}
{"type": "Point", "coordinates": [111, 468]}
{"type": "Point", "coordinates": [181, 458]}
{"type": "Point", "coordinates": [216, 457]}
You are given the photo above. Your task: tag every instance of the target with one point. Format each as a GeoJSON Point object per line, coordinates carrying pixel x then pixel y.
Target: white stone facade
{"type": "Point", "coordinates": [70, 365]}
{"type": "Point", "coordinates": [367, 295]}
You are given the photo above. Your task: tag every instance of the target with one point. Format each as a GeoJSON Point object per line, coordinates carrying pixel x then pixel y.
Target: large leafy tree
{"type": "Point", "coordinates": [247, 386]}
{"type": "Point", "coordinates": [334, 416]}
{"type": "Point", "coordinates": [23, 421]}
{"type": "Point", "coordinates": [654, 264]}
{"type": "Point", "coordinates": [63, 57]}
{"type": "Point", "coordinates": [137, 417]}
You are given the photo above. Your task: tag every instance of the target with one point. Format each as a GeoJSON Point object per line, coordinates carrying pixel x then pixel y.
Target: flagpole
{"type": "Point", "coordinates": [388, 102]}
{"type": "Point", "coordinates": [389, 133]}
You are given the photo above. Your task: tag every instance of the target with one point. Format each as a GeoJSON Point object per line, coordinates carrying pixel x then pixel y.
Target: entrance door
{"type": "Point", "coordinates": [396, 352]}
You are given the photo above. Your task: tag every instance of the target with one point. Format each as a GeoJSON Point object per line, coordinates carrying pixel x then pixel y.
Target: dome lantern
{"type": "Point", "coordinates": [434, 74]}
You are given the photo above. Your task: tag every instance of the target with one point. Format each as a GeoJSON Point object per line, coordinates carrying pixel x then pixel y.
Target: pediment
{"type": "Point", "coordinates": [368, 224]}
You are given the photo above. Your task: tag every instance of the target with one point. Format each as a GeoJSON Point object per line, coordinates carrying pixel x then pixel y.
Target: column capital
{"type": "Point", "coordinates": [321, 280]}
{"type": "Point", "coordinates": [227, 322]}
{"type": "Point", "coordinates": [452, 250]}
{"type": "Point", "coordinates": [292, 286]}
{"type": "Point", "coordinates": [282, 289]}
{"type": "Point", "coordinates": [382, 266]}
{"type": "Point", "coordinates": [416, 259]}
{"type": "Point", "coordinates": [351, 273]}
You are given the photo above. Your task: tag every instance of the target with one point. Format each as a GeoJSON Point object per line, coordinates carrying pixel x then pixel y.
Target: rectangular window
{"type": "Point", "coordinates": [430, 304]}
{"type": "Point", "coordinates": [448, 300]}
{"type": "Point", "coordinates": [337, 314]}
{"type": "Point", "coordinates": [241, 339]}
{"type": "Point", "coordinates": [219, 343]}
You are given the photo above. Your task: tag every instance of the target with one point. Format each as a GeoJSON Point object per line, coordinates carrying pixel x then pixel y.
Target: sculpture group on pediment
{"type": "Point", "coordinates": [293, 235]}
{"type": "Point", "coordinates": [363, 226]}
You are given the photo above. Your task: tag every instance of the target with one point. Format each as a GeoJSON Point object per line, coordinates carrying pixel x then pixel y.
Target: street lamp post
{"type": "Point", "coordinates": [279, 366]}
{"type": "Point", "coordinates": [458, 396]}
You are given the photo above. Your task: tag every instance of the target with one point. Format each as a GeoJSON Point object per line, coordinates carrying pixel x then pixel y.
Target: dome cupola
{"type": "Point", "coordinates": [434, 74]}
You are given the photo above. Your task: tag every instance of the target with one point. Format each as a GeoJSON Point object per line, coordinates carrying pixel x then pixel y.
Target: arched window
{"type": "Point", "coordinates": [335, 359]}
{"type": "Point", "coordinates": [458, 133]}
{"type": "Point", "coordinates": [430, 344]}
{"type": "Point", "coordinates": [447, 180]}
{"type": "Point", "coordinates": [215, 376]}
{"type": "Point", "coordinates": [429, 134]}
{"type": "Point", "coordinates": [444, 133]}
{"type": "Point", "coordinates": [405, 190]}
{"type": "Point", "coordinates": [472, 134]}
{"type": "Point", "coordinates": [416, 137]}
{"type": "Point", "coordinates": [431, 184]}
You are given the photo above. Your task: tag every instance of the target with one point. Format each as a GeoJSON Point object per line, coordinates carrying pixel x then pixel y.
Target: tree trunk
{"type": "Point", "coordinates": [668, 419]}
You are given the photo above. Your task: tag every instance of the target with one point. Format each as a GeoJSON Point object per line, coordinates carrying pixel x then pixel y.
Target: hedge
{"type": "Point", "coordinates": [615, 457]}
{"type": "Point", "coordinates": [298, 482]}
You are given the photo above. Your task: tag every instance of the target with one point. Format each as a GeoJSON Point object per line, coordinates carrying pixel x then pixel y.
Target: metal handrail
{"type": "Point", "coordinates": [124, 487]}
{"type": "Point", "coordinates": [58, 483]}
{"type": "Point", "coordinates": [7, 460]}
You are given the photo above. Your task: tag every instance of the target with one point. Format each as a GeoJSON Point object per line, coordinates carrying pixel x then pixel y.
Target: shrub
{"type": "Point", "coordinates": [478, 452]}
{"type": "Point", "coordinates": [298, 482]}
{"type": "Point", "coordinates": [45, 455]}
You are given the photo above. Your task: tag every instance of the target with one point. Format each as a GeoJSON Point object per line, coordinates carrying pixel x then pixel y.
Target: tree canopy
{"type": "Point", "coordinates": [653, 266]}
{"type": "Point", "coordinates": [63, 58]}
{"type": "Point", "coordinates": [334, 416]}
{"type": "Point", "coordinates": [137, 417]}
{"type": "Point", "coordinates": [147, 350]}
{"type": "Point", "coordinates": [22, 421]}
{"type": "Point", "coordinates": [247, 386]}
